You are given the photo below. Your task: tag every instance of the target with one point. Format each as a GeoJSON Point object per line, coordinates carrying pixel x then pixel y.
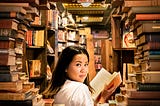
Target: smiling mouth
{"type": "Point", "coordinates": [82, 75]}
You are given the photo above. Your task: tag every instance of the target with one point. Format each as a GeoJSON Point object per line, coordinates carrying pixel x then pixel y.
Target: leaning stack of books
{"type": "Point", "coordinates": [15, 88]}
{"type": "Point", "coordinates": [142, 81]}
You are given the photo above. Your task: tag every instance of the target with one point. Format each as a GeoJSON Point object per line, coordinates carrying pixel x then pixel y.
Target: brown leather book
{"type": "Point", "coordinates": [132, 13]}
{"type": "Point", "coordinates": [8, 32]}
{"type": "Point", "coordinates": [13, 86]}
{"type": "Point", "coordinates": [148, 28]}
{"type": "Point", "coordinates": [151, 46]}
{"type": "Point", "coordinates": [9, 24]}
{"type": "Point", "coordinates": [7, 57]}
{"type": "Point", "coordinates": [136, 3]}
{"type": "Point", "coordinates": [31, 2]}
{"type": "Point", "coordinates": [11, 15]}
{"type": "Point", "coordinates": [142, 102]}
{"type": "Point", "coordinates": [13, 9]}
{"type": "Point", "coordinates": [151, 65]}
{"type": "Point", "coordinates": [6, 42]}
{"type": "Point", "coordinates": [134, 94]}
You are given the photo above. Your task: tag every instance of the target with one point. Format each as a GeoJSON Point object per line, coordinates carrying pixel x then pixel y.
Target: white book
{"type": "Point", "coordinates": [104, 78]}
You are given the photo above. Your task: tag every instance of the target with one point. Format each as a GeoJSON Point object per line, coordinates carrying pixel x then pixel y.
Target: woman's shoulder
{"type": "Point", "coordinates": [75, 84]}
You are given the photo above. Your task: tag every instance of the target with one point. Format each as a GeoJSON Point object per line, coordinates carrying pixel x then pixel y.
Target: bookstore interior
{"type": "Point", "coordinates": [122, 38]}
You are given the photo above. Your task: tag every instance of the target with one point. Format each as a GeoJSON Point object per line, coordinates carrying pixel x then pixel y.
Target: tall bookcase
{"type": "Point", "coordinates": [137, 19]}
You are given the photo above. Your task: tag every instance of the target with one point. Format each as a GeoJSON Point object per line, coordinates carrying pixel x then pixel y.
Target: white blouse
{"type": "Point", "coordinates": [74, 93]}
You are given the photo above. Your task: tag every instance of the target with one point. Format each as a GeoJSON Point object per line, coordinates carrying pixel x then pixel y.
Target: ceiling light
{"type": "Point", "coordinates": [86, 4]}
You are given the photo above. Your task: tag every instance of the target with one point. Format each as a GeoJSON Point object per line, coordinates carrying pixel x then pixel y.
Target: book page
{"type": "Point", "coordinates": [102, 79]}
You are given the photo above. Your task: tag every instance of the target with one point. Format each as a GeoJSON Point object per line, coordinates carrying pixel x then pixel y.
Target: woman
{"type": "Point", "coordinates": [69, 84]}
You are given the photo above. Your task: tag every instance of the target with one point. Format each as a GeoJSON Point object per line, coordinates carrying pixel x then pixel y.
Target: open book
{"type": "Point", "coordinates": [103, 79]}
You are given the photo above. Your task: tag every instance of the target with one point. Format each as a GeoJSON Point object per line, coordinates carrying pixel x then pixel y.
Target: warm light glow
{"type": "Point", "coordinates": [86, 4]}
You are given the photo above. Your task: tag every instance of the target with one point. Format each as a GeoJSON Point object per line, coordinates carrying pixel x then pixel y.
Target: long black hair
{"type": "Point", "coordinates": [59, 75]}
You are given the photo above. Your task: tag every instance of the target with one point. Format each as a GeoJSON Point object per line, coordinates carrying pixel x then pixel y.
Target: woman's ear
{"type": "Point", "coordinates": [66, 70]}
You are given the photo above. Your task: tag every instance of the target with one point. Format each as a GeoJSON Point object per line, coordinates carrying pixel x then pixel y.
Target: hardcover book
{"type": "Point", "coordinates": [148, 87]}
{"type": "Point", "coordinates": [8, 32]}
{"type": "Point", "coordinates": [11, 86]}
{"type": "Point", "coordinates": [9, 24]}
{"type": "Point", "coordinates": [11, 15]}
{"type": "Point", "coordinates": [13, 9]}
{"type": "Point", "coordinates": [6, 42]}
{"type": "Point", "coordinates": [105, 79]}
{"type": "Point", "coordinates": [134, 94]}
{"type": "Point", "coordinates": [8, 76]}
{"type": "Point", "coordinates": [7, 57]}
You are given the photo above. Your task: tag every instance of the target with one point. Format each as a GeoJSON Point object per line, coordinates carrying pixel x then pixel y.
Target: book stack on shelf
{"type": "Point", "coordinates": [15, 88]}
{"type": "Point", "coordinates": [141, 79]}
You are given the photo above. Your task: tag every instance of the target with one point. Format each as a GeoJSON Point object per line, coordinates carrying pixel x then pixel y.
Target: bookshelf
{"type": "Point", "coordinates": [137, 63]}
{"type": "Point", "coordinates": [16, 84]}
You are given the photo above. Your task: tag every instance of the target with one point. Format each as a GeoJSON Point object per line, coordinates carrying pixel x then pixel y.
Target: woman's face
{"type": "Point", "coordinates": [78, 68]}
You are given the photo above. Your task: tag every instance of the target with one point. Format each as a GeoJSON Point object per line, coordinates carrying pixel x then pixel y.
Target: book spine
{"type": "Point", "coordinates": [142, 102]}
{"type": "Point", "coordinates": [151, 46]}
{"type": "Point", "coordinates": [143, 95]}
{"type": "Point", "coordinates": [14, 86]}
{"type": "Point", "coordinates": [151, 52]}
{"type": "Point", "coordinates": [11, 15]}
{"type": "Point", "coordinates": [8, 77]}
{"type": "Point", "coordinates": [148, 87]}
{"type": "Point", "coordinates": [147, 28]}
{"type": "Point", "coordinates": [6, 42]}
{"type": "Point", "coordinates": [147, 17]}
{"type": "Point", "coordinates": [16, 103]}
{"type": "Point", "coordinates": [133, 3]}
{"type": "Point", "coordinates": [8, 32]}
{"type": "Point", "coordinates": [9, 23]}
{"type": "Point", "coordinates": [151, 77]}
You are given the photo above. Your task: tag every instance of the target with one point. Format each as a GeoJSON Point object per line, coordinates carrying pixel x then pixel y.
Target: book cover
{"type": "Point", "coordinates": [6, 42]}
{"type": "Point", "coordinates": [151, 46]}
{"type": "Point", "coordinates": [18, 96]}
{"type": "Point", "coordinates": [7, 57]}
{"type": "Point", "coordinates": [48, 102]}
{"type": "Point", "coordinates": [9, 23]}
{"type": "Point", "coordinates": [8, 68]}
{"type": "Point", "coordinates": [150, 37]}
{"type": "Point", "coordinates": [12, 8]}
{"type": "Point", "coordinates": [31, 2]}
{"type": "Point", "coordinates": [148, 28]}
{"type": "Point", "coordinates": [151, 77]}
{"type": "Point", "coordinates": [147, 17]}
{"type": "Point", "coordinates": [8, 32]}
{"type": "Point", "coordinates": [11, 15]}
{"type": "Point", "coordinates": [11, 86]}
{"type": "Point", "coordinates": [104, 78]}
{"type": "Point", "coordinates": [151, 64]}
{"type": "Point", "coordinates": [8, 76]}
{"type": "Point", "coordinates": [142, 102]}
{"type": "Point", "coordinates": [148, 87]}
{"type": "Point", "coordinates": [134, 94]}
{"type": "Point", "coordinates": [34, 67]}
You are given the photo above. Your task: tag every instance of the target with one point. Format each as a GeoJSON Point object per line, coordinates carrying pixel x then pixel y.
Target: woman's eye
{"type": "Point", "coordinates": [78, 64]}
{"type": "Point", "coordinates": [86, 65]}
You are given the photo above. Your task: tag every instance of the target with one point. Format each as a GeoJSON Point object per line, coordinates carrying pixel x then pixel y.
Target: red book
{"type": "Point", "coordinates": [9, 24]}
{"type": "Point", "coordinates": [148, 17]}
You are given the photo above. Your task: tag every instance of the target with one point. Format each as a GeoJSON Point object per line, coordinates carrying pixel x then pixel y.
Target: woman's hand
{"type": "Point", "coordinates": [106, 93]}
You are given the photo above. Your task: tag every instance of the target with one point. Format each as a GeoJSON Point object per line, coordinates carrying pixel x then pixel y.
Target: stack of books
{"type": "Point", "coordinates": [15, 88]}
{"type": "Point", "coordinates": [141, 78]}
